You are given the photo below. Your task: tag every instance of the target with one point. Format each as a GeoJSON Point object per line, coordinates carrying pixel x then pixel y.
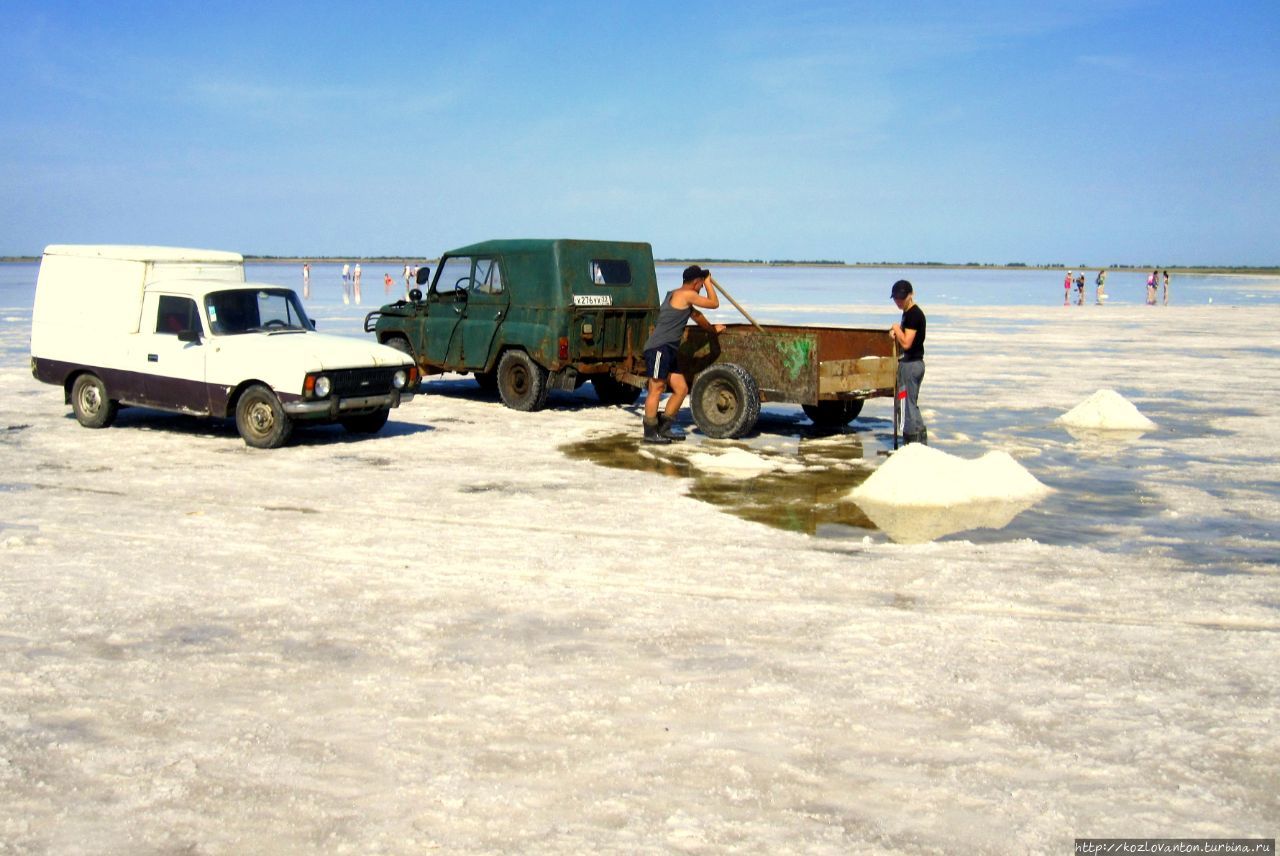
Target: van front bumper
{"type": "Point", "coordinates": [334, 407]}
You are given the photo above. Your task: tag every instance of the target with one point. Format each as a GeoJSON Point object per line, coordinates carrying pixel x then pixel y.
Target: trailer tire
{"type": "Point", "coordinates": [725, 401]}
{"type": "Point", "coordinates": [610, 390]}
{"type": "Point", "coordinates": [90, 404]}
{"type": "Point", "coordinates": [261, 420]}
{"type": "Point", "coordinates": [833, 414]}
{"type": "Point", "coordinates": [522, 383]}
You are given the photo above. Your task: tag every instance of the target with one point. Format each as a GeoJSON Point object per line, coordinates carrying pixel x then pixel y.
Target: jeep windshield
{"type": "Point", "coordinates": [255, 310]}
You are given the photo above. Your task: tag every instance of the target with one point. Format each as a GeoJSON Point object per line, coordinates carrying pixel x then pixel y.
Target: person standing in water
{"type": "Point", "coordinates": [1166, 288]}
{"type": "Point", "coordinates": [1066, 289]}
{"type": "Point", "coordinates": [661, 347]}
{"type": "Point", "coordinates": [355, 283]}
{"type": "Point", "coordinates": [1101, 281]}
{"type": "Point", "coordinates": [346, 282]}
{"type": "Point", "coordinates": [306, 280]}
{"type": "Point", "coordinates": [1151, 289]}
{"type": "Point", "coordinates": [908, 334]}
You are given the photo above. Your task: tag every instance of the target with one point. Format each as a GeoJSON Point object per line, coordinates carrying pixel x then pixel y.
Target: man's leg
{"type": "Point", "coordinates": [910, 376]}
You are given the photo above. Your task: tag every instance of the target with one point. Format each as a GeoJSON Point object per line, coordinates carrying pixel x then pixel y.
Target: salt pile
{"type": "Point", "coordinates": [1106, 410]}
{"type": "Point", "coordinates": [922, 493]}
{"type": "Point", "coordinates": [738, 463]}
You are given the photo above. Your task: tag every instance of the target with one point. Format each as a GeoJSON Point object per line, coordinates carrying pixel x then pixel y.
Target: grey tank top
{"type": "Point", "coordinates": [669, 327]}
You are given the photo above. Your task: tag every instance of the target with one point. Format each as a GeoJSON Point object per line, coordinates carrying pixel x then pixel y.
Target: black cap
{"type": "Point", "coordinates": [901, 289]}
{"type": "Point", "coordinates": [693, 272]}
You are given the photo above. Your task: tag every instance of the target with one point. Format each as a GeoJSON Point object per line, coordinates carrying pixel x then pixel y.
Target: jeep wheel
{"type": "Point", "coordinates": [610, 390]}
{"type": "Point", "coordinates": [366, 423]}
{"type": "Point", "coordinates": [522, 383]}
{"type": "Point", "coordinates": [833, 414]}
{"type": "Point", "coordinates": [400, 343]}
{"type": "Point", "coordinates": [725, 401]}
{"type": "Point", "coordinates": [487, 381]}
{"type": "Point", "coordinates": [90, 404]}
{"type": "Point", "coordinates": [261, 420]}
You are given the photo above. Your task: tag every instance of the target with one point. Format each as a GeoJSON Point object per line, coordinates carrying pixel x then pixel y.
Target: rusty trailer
{"type": "Point", "coordinates": [828, 371]}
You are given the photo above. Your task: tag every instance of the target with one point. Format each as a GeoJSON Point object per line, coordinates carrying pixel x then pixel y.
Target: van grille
{"type": "Point", "coordinates": [348, 382]}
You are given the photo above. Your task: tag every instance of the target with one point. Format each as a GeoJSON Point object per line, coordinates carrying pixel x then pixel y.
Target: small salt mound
{"type": "Point", "coordinates": [738, 463]}
{"type": "Point", "coordinates": [1106, 410]}
{"type": "Point", "coordinates": [922, 493]}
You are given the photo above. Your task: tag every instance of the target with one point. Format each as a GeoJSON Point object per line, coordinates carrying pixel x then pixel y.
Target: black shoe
{"type": "Point", "coordinates": [666, 428]}
{"type": "Point", "coordinates": [921, 437]}
{"type": "Point", "coordinates": [652, 433]}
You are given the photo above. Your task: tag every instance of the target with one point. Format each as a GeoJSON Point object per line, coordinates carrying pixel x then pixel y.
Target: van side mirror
{"type": "Point", "coordinates": [424, 275]}
{"type": "Point", "coordinates": [189, 336]}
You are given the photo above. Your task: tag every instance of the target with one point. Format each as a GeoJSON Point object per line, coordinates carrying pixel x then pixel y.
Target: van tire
{"type": "Point", "coordinates": [261, 420]}
{"type": "Point", "coordinates": [833, 414]}
{"type": "Point", "coordinates": [610, 390]}
{"type": "Point", "coordinates": [367, 423]}
{"type": "Point", "coordinates": [89, 402]}
{"type": "Point", "coordinates": [522, 383]}
{"type": "Point", "coordinates": [725, 401]}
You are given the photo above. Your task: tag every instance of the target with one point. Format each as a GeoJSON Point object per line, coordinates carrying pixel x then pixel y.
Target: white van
{"type": "Point", "coordinates": [180, 330]}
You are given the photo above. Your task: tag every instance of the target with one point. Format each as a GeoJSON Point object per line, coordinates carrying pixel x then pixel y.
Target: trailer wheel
{"type": "Point", "coordinates": [522, 383]}
{"type": "Point", "coordinates": [610, 390]}
{"type": "Point", "coordinates": [261, 420]}
{"type": "Point", "coordinates": [725, 401]}
{"type": "Point", "coordinates": [833, 414]}
{"type": "Point", "coordinates": [89, 402]}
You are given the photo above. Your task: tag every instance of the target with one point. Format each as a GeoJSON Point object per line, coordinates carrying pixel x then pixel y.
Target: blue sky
{"type": "Point", "coordinates": [1092, 131]}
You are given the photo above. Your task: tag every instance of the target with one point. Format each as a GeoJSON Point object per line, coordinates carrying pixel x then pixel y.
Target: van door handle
{"type": "Point", "coordinates": [153, 358]}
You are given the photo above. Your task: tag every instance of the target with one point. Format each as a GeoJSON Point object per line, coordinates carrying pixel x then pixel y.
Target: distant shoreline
{"type": "Point", "coordinates": [401, 260]}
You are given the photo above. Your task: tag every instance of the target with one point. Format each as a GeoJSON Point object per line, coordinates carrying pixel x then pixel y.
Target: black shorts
{"type": "Point", "coordinates": [660, 361]}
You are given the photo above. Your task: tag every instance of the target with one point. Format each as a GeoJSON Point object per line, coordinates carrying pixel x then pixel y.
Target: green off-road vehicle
{"type": "Point", "coordinates": [528, 316]}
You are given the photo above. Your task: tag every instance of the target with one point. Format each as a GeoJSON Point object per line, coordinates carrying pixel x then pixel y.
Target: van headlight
{"type": "Point", "coordinates": [399, 379]}
{"type": "Point", "coordinates": [323, 386]}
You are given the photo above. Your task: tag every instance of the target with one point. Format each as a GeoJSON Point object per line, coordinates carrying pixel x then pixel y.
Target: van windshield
{"type": "Point", "coordinates": [255, 310]}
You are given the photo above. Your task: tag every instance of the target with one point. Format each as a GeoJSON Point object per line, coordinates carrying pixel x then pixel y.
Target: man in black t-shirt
{"type": "Point", "coordinates": [909, 335]}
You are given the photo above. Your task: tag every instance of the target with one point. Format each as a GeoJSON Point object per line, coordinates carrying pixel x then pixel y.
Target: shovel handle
{"type": "Point", "coordinates": [735, 303]}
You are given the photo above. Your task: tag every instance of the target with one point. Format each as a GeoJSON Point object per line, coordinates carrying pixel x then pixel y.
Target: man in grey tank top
{"type": "Point", "coordinates": [661, 346]}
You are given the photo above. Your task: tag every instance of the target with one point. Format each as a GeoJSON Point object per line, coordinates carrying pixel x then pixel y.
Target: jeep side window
{"type": "Point", "coordinates": [454, 273]}
{"type": "Point", "coordinates": [610, 272]}
{"type": "Point", "coordinates": [488, 276]}
{"type": "Point", "coordinates": [176, 314]}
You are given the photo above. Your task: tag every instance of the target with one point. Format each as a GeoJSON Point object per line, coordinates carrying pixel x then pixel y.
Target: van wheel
{"type": "Point", "coordinates": [522, 383]}
{"type": "Point", "coordinates": [610, 390]}
{"type": "Point", "coordinates": [367, 423]}
{"type": "Point", "coordinates": [725, 401]}
{"type": "Point", "coordinates": [261, 420]}
{"type": "Point", "coordinates": [89, 402]}
{"type": "Point", "coordinates": [833, 414]}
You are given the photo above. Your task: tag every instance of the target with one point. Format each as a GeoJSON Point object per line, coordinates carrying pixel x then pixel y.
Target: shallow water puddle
{"type": "Point", "coordinates": [804, 493]}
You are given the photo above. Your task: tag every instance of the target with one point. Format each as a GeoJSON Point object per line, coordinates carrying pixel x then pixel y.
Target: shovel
{"type": "Point", "coordinates": [735, 303]}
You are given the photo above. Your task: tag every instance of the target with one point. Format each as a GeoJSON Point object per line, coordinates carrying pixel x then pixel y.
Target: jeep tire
{"type": "Point", "coordinates": [366, 423]}
{"type": "Point", "coordinates": [522, 383]}
{"type": "Point", "coordinates": [610, 390]}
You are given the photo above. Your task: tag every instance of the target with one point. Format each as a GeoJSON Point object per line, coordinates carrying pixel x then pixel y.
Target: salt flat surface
{"type": "Point", "coordinates": [452, 637]}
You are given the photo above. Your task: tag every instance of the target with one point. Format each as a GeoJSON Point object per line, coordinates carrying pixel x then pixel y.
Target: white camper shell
{"type": "Point", "coordinates": [180, 330]}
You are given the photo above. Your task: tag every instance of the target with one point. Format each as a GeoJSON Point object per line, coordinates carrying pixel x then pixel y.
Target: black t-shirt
{"type": "Point", "coordinates": [913, 319]}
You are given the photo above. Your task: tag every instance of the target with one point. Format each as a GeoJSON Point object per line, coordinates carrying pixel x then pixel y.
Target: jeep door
{"type": "Point", "coordinates": [445, 303]}
{"type": "Point", "coordinates": [465, 308]}
{"type": "Point", "coordinates": [174, 368]}
{"type": "Point", "coordinates": [486, 307]}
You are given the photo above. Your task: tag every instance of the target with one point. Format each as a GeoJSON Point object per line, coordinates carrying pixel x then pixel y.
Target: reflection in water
{"type": "Point", "coordinates": [808, 495]}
